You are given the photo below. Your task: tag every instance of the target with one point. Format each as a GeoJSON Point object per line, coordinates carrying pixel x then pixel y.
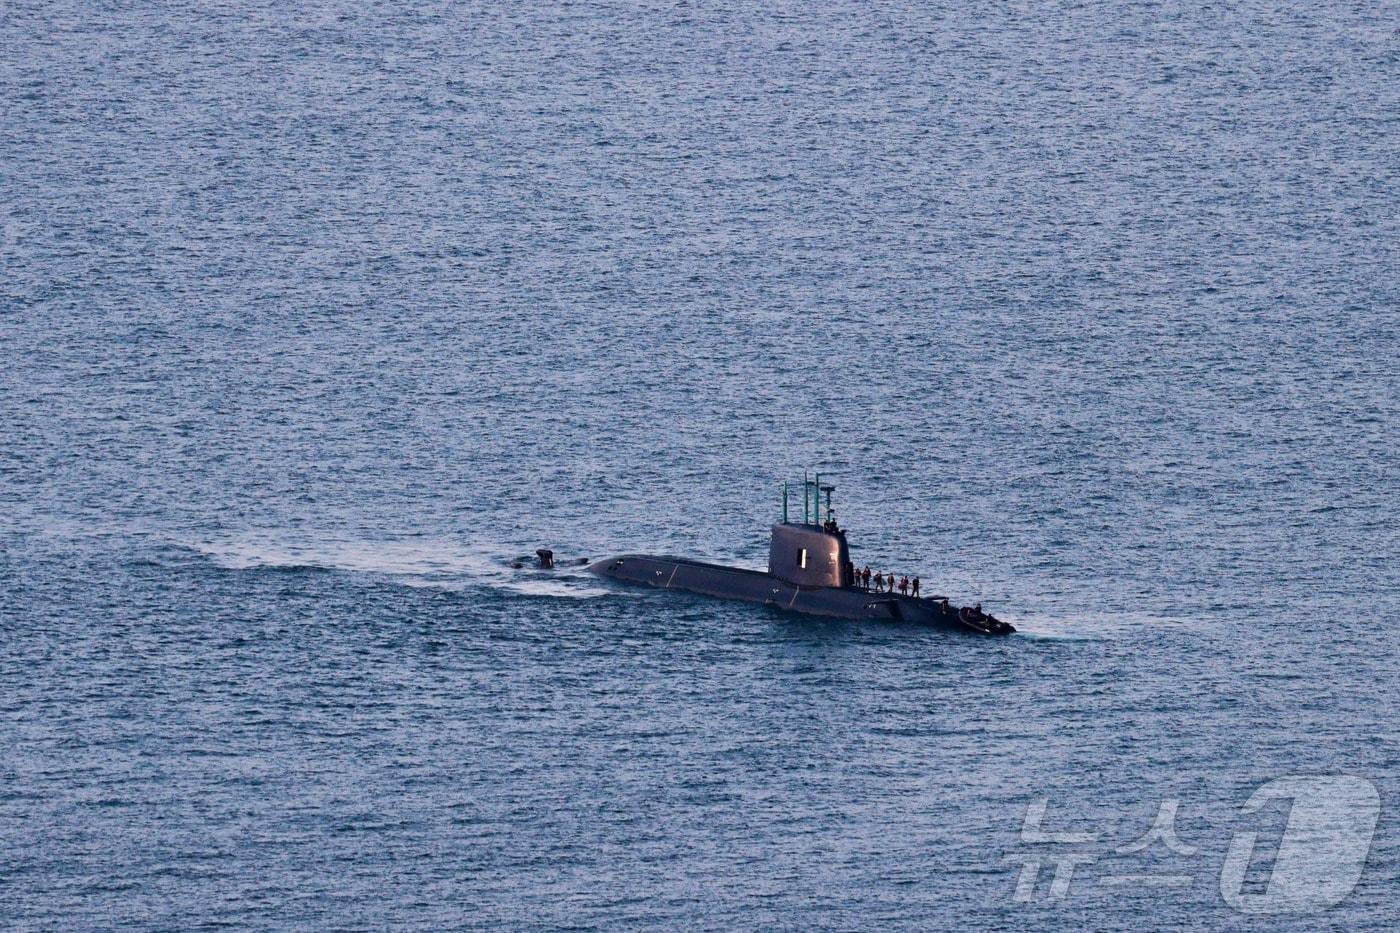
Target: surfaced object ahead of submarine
{"type": "Point", "coordinates": [809, 571]}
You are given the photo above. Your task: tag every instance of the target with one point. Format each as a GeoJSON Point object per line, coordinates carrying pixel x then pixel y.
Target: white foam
{"type": "Point", "coordinates": [418, 562]}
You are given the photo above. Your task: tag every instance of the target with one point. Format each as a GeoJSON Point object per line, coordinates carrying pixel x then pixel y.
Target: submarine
{"type": "Point", "coordinates": [809, 571]}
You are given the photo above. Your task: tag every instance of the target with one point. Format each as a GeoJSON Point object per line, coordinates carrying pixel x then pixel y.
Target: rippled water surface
{"type": "Point", "coordinates": [313, 320]}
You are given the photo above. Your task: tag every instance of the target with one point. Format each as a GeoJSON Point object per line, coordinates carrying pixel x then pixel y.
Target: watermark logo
{"type": "Point", "coordinates": [1320, 857]}
{"type": "Point", "coordinates": [1064, 861]}
{"type": "Point", "coordinates": [1323, 850]}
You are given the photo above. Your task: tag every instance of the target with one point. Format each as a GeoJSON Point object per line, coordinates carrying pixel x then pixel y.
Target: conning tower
{"type": "Point", "coordinates": [811, 552]}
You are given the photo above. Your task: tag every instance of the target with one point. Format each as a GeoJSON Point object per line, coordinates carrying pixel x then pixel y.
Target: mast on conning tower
{"type": "Point", "coordinates": [812, 505]}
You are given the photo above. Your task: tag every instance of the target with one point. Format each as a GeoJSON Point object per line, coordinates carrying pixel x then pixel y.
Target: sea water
{"type": "Point", "coordinates": [314, 320]}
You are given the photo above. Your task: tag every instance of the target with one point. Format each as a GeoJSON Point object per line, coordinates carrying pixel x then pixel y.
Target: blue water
{"type": "Point", "coordinates": [311, 321]}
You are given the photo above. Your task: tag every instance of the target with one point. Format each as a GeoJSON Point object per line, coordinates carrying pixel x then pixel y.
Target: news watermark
{"type": "Point", "coordinates": [1324, 846]}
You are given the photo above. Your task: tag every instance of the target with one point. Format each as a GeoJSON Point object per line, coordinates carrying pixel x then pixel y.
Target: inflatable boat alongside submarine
{"type": "Point", "coordinates": [809, 571]}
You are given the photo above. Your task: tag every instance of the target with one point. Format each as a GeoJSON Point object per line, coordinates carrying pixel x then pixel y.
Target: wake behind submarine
{"type": "Point", "coordinates": [809, 571]}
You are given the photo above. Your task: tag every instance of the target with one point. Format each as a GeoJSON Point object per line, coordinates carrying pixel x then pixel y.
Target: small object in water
{"type": "Point", "coordinates": [980, 621]}
{"type": "Point", "coordinates": [546, 557]}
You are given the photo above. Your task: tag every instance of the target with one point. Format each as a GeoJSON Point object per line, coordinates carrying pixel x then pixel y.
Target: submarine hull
{"type": "Point", "coordinates": [756, 586]}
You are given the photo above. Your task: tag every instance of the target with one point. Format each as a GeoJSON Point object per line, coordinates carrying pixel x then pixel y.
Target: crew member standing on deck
{"type": "Point", "coordinates": [914, 588]}
{"type": "Point", "coordinates": [865, 577]}
{"type": "Point", "coordinates": [903, 586]}
{"type": "Point", "coordinates": [879, 582]}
